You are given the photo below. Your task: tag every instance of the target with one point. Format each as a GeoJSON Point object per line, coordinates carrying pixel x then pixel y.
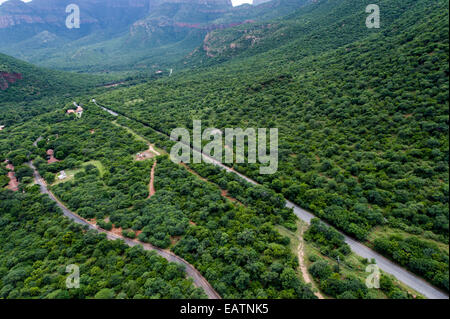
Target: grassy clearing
{"type": "Point", "coordinates": [294, 237]}
{"type": "Point", "coordinates": [385, 231]}
{"type": "Point", "coordinates": [97, 164]}
{"type": "Point", "coordinates": [133, 102]}
{"type": "Point", "coordinates": [72, 172]}
{"type": "Point", "coordinates": [70, 175]}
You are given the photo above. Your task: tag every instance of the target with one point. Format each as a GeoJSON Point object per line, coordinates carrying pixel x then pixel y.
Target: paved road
{"type": "Point", "coordinates": [408, 278]}
{"type": "Point", "coordinates": [199, 280]}
{"type": "Point", "coordinates": [403, 275]}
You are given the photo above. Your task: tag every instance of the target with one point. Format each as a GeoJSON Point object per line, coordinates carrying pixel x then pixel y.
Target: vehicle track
{"type": "Point", "coordinates": [388, 266]}
{"type": "Point", "coordinates": [198, 279]}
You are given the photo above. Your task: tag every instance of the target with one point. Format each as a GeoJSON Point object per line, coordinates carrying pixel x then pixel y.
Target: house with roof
{"type": "Point", "coordinates": [78, 112]}
{"type": "Point", "coordinates": [62, 175]}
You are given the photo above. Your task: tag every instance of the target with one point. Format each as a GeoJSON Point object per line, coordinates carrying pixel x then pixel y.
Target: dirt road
{"type": "Point", "coordinates": [198, 279]}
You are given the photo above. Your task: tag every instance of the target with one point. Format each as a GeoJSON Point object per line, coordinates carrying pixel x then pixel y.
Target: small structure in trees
{"type": "Point", "coordinates": [78, 112]}
{"type": "Point", "coordinates": [51, 157]}
{"type": "Point", "coordinates": [62, 175]}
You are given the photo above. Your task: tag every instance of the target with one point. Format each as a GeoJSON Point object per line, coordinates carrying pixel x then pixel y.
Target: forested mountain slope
{"type": "Point", "coordinates": [119, 35]}
{"type": "Point", "coordinates": [363, 121]}
{"type": "Point", "coordinates": [27, 90]}
{"type": "Point", "coordinates": [313, 29]}
{"type": "Point", "coordinates": [33, 82]}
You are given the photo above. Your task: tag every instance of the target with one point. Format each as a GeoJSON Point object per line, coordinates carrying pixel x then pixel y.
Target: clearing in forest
{"type": "Point", "coordinates": [148, 154]}
{"type": "Point", "coordinates": [13, 182]}
{"type": "Point", "coordinates": [70, 174]}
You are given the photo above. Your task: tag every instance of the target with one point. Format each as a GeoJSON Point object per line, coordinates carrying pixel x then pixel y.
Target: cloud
{"type": "Point", "coordinates": [1, 1]}
{"type": "Point", "coordinates": [238, 2]}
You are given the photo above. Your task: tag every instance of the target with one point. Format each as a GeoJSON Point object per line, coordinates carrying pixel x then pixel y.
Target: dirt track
{"type": "Point", "coordinates": [198, 279]}
{"type": "Point", "coordinates": [302, 265]}
{"type": "Point", "coordinates": [405, 276]}
{"type": "Point", "coordinates": [151, 186]}
{"type": "Point", "coordinates": [13, 182]}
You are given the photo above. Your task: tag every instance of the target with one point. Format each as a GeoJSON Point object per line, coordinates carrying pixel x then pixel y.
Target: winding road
{"type": "Point", "coordinates": [198, 279]}
{"type": "Point", "coordinates": [388, 266]}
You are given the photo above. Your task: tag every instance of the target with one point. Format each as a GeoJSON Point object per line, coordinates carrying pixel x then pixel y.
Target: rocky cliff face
{"type": "Point", "coordinates": [52, 12]}
{"type": "Point", "coordinates": [16, 12]}
{"type": "Point", "coordinates": [36, 31]}
{"type": "Point", "coordinates": [20, 21]}
{"type": "Point", "coordinates": [178, 15]}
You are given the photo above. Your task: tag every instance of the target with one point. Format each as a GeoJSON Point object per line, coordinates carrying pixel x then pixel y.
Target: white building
{"type": "Point", "coordinates": [62, 175]}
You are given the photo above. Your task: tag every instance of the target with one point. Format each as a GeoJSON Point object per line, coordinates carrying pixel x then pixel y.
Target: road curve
{"type": "Point", "coordinates": [198, 279]}
{"type": "Point", "coordinates": [388, 266]}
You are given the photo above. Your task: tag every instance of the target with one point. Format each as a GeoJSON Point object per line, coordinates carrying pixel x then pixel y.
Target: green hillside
{"type": "Point", "coordinates": [138, 39]}
{"type": "Point", "coordinates": [362, 114]}
{"type": "Point", "coordinates": [363, 119]}
{"type": "Point", "coordinates": [37, 82]}
{"type": "Point", "coordinates": [27, 90]}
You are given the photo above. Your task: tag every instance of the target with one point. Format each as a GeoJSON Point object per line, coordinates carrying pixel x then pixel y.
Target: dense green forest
{"type": "Point", "coordinates": [363, 144]}
{"type": "Point", "coordinates": [37, 244]}
{"type": "Point", "coordinates": [27, 91]}
{"type": "Point", "coordinates": [423, 258]}
{"type": "Point", "coordinates": [363, 128]}
{"type": "Point", "coordinates": [234, 246]}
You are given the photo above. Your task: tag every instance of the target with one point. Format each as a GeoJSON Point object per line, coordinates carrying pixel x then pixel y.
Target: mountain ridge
{"type": "Point", "coordinates": [116, 35]}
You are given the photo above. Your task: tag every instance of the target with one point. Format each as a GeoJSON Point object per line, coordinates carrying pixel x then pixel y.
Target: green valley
{"type": "Point", "coordinates": [362, 183]}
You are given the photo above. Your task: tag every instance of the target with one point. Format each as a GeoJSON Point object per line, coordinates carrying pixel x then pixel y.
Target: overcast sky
{"type": "Point", "coordinates": [235, 2]}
